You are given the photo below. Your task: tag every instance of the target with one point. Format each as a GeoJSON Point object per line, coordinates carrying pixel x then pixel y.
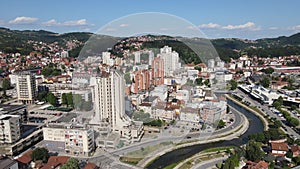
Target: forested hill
{"type": "Point", "coordinates": [16, 41]}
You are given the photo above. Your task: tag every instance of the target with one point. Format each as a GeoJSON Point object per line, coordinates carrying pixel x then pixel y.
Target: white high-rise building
{"type": "Point", "coordinates": [137, 57]}
{"type": "Point", "coordinates": [64, 54]}
{"type": "Point", "coordinates": [110, 105]}
{"type": "Point", "coordinates": [151, 57]}
{"type": "Point", "coordinates": [26, 87]}
{"type": "Point", "coordinates": [10, 128]}
{"type": "Point", "coordinates": [106, 59]}
{"type": "Point", "coordinates": [171, 60]}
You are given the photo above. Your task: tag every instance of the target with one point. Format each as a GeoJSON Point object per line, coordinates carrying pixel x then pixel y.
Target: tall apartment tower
{"type": "Point", "coordinates": [110, 99]}
{"type": "Point", "coordinates": [10, 128]}
{"type": "Point", "coordinates": [110, 106]}
{"type": "Point", "coordinates": [157, 71]}
{"type": "Point", "coordinates": [171, 60]}
{"type": "Point", "coordinates": [26, 87]}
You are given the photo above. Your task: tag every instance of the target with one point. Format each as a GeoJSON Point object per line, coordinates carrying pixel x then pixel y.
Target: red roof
{"type": "Point", "coordinates": [279, 146]}
{"type": "Point", "coordinates": [90, 166]}
{"type": "Point", "coordinates": [25, 158]}
{"type": "Point", "coordinates": [55, 161]}
{"type": "Point", "coordinates": [295, 148]}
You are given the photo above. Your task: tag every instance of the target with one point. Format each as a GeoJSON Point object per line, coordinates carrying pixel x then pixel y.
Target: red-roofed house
{"type": "Point", "coordinates": [295, 150]}
{"type": "Point", "coordinates": [279, 148]}
{"type": "Point", "coordinates": [25, 160]}
{"type": "Point", "coordinates": [55, 162]}
{"type": "Point", "coordinates": [91, 166]}
{"type": "Point", "coordinates": [259, 165]}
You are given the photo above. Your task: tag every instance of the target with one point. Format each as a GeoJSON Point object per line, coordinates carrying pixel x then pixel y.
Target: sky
{"type": "Point", "coordinates": [215, 18]}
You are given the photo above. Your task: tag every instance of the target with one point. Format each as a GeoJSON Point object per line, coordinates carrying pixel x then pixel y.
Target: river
{"type": "Point", "coordinates": [255, 126]}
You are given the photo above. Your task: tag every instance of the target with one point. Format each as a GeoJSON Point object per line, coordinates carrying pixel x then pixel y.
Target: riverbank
{"type": "Point", "coordinates": [232, 134]}
{"type": "Point", "coordinates": [265, 122]}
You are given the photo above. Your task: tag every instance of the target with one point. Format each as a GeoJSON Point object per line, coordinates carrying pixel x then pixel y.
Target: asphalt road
{"type": "Point", "coordinates": [266, 109]}
{"type": "Point", "coordinates": [111, 159]}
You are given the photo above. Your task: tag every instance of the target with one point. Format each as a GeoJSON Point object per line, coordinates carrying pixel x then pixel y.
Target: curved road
{"type": "Point", "coordinates": [255, 126]}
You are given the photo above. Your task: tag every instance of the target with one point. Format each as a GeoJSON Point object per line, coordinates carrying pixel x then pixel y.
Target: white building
{"type": "Point", "coordinates": [110, 106]}
{"type": "Point", "coordinates": [160, 91]}
{"type": "Point", "coordinates": [74, 139]}
{"type": "Point", "coordinates": [171, 60]}
{"type": "Point", "coordinates": [26, 87]}
{"type": "Point", "coordinates": [10, 128]}
{"type": "Point", "coordinates": [151, 57]}
{"type": "Point", "coordinates": [64, 54]}
{"type": "Point", "coordinates": [137, 57]}
{"type": "Point", "coordinates": [106, 59]}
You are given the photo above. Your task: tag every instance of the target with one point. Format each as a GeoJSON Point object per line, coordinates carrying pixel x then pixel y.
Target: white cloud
{"type": "Point", "coordinates": [209, 25]}
{"type": "Point", "coordinates": [23, 20]}
{"type": "Point", "coordinates": [110, 29]}
{"type": "Point", "coordinates": [80, 22]}
{"type": "Point", "coordinates": [296, 28]}
{"type": "Point", "coordinates": [51, 22]}
{"type": "Point", "coordinates": [248, 25]}
{"type": "Point", "coordinates": [124, 25]}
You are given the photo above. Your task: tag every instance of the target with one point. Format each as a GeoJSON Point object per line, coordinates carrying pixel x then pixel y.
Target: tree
{"type": "Point", "coordinates": [294, 107]}
{"type": "Point", "coordinates": [42, 96]}
{"type": "Point", "coordinates": [40, 153]}
{"type": "Point", "coordinates": [199, 81]}
{"type": "Point", "coordinates": [277, 124]}
{"type": "Point", "coordinates": [265, 82]}
{"type": "Point", "coordinates": [51, 99]}
{"type": "Point", "coordinates": [233, 84]}
{"type": "Point", "coordinates": [198, 68]}
{"type": "Point", "coordinates": [5, 86]}
{"type": "Point", "coordinates": [64, 99]}
{"type": "Point", "coordinates": [253, 151]}
{"type": "Point", "coordinates": [221, 124]}
{"type": "Point", "coordinates": [72, 163]}
{"type": "Point", "coordinates": [206, 82]}
{"type": "Point", "coordinates": [70, 99]}
{"type": "Point", "coordinates": [292, 121]}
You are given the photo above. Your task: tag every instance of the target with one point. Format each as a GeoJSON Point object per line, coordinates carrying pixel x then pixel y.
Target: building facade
{"type": "Point", "coordinates": [72, 139]}
{"type": "Point", "coordinates": [110, 106]}
{"type": "Point", "coordinates": [26, 87]}
{"type": "Point", "coordinates": [10, 131]}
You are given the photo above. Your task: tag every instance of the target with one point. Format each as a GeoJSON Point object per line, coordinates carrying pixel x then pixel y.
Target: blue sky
{"type": "Point", "coordinates": [215, 18]}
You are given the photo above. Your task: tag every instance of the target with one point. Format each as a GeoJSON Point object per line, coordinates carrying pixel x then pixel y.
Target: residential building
{"type": "Point", "coordinates": [26, 87]}
{"type": "Point", "coordinates": [158, 71]}
{"type": "Point", "coordinates": [74, 139]}
{"type": "Point", "coordinates": [64, 54]}
{"type": "Point", "coordinates": [110, 106]}
{"type": "Point", "coordinates": [170, 59]}
{"type": "Point", "coordinates": [295, 150]}
{"type": "Point", "coordinates": [10, 109]}
{"type": "Point", "coordinates": [141, 81]}
{"type": "Point", "coordinates": [137, 57]}
{"type": "Point", "coordinates": [10, 129]}
{"type": "Point", "coordinates": [256, 165]}
{"type": "Point", "coordinates": [279, 147]}
{"type": "Point", "coordinates": [106, 59]}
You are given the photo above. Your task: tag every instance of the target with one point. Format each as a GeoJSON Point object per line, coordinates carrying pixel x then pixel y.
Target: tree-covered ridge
{"type": "Point", "coordinates": [12, 41]}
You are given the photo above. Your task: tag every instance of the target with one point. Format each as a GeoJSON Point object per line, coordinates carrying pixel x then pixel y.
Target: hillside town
{"type": "Point", "coordinates": [75, 109]}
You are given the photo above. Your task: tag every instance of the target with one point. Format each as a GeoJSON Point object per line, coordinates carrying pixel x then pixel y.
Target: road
{"type": "Point", "coordinates": [209, 163]}
{"type": "Point", "coordinates": [266, 109]}
{"type": "Point", "coordinates": [111, 159]}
